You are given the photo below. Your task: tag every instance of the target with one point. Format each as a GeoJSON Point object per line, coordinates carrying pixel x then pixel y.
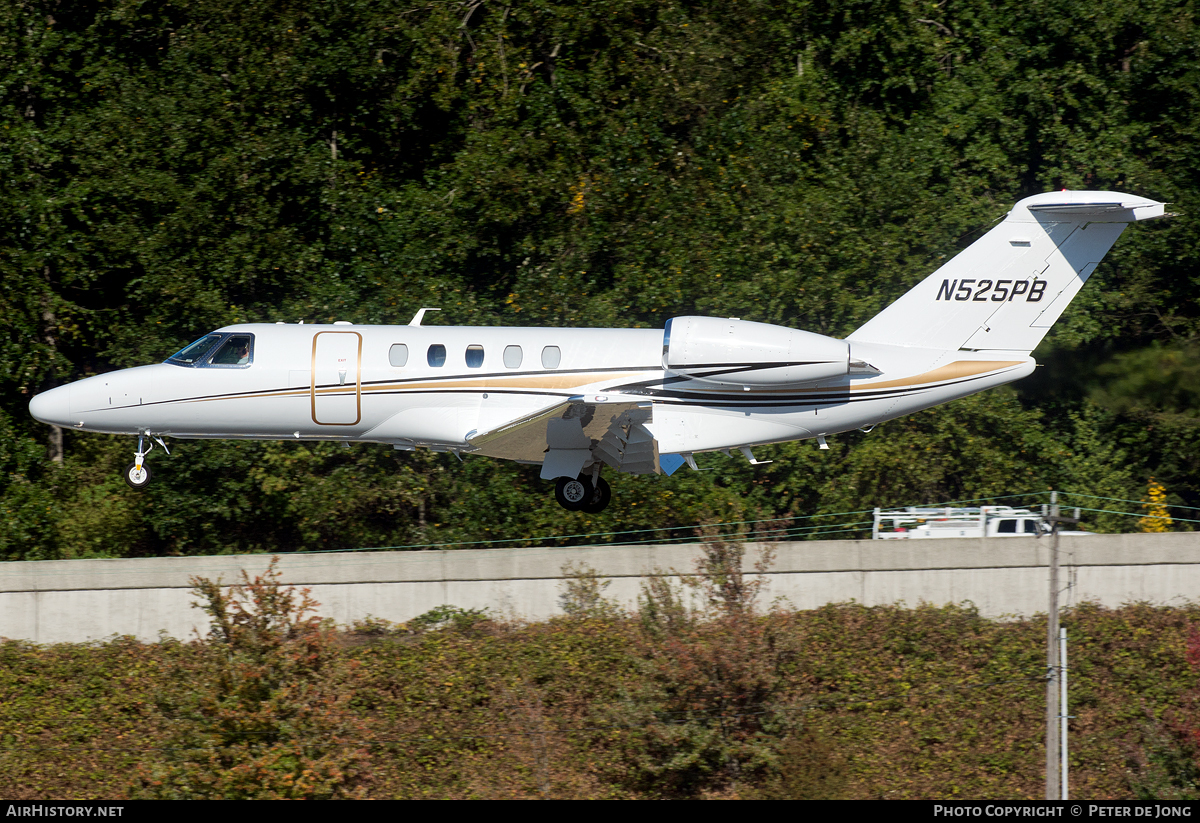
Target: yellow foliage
{"type": "Point", "coordinates": [578, 196]}
{"type": "Point", "coordinates": [1157, 518]}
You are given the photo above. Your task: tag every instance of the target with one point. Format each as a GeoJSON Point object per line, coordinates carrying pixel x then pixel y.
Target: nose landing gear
{"type": "Point", "coordinates": [138, 474]}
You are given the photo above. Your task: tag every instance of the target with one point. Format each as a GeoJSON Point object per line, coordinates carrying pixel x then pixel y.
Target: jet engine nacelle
{"type": "Point", "coordinates": [739, 353]}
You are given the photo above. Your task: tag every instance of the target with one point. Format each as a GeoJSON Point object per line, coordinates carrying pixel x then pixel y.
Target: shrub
{"type": "Point", "coordinates": [261, 709]}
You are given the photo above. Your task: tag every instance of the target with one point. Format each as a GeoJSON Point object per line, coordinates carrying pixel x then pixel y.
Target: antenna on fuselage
{"type": "Point", "coordinates": [416, 321]}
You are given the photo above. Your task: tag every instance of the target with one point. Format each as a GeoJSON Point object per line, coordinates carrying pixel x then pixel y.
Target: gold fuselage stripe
{"type": "Point", "coordinates": [952, 371]}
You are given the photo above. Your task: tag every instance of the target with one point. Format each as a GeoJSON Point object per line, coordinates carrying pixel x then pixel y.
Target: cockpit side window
{"type": "Point", "coordinates": [195, 354]}
{"type": "Point", "coordinates": [237, 350]}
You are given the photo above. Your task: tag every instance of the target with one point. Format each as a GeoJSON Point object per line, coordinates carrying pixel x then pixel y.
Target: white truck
{"type": "Point", "coordinates": [915, 523]}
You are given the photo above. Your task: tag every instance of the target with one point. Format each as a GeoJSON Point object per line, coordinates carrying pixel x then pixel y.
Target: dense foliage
{"type": "Point", "coordinates": [170, 166]}
{"type": "Point", "coordinates": [694, 695]}
{"type": "Point", "coordinates": [263, 709]}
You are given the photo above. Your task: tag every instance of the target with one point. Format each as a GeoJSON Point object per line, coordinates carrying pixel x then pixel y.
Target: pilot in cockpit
{"type": "Point", "coordinates": [235, 351]}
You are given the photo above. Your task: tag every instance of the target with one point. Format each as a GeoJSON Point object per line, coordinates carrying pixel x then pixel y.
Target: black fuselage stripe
{"type": "Point", "coordinates": [673, 398]}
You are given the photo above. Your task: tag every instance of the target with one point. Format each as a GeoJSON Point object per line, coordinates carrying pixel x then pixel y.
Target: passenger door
{"type": "Point", "coordinates": [336, 383]}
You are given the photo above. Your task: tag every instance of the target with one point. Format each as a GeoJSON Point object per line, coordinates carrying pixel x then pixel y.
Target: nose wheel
{"type": "Point", "coordinates": [138, 477]}
{"type": "Point", "coordinates": [138, 474]}
{"type": "Point", "coordinates": [577, 494]}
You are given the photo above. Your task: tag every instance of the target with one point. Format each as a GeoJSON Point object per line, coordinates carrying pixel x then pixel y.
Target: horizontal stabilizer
{"type": "Point", "coordinates": [1008, 288]}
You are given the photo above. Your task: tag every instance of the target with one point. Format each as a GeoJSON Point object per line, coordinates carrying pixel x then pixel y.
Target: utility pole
{"type": "Point", "coordinates": [1054, 784]}
{"type": "Point", "coordinates": [1064, 716]}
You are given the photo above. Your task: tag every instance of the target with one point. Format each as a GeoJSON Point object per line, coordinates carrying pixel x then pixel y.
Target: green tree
{"type": "Point", "coordinates": [176, 165]}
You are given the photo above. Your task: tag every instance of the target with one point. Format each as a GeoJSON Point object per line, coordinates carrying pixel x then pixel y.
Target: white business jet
{"type": "Point", "coordinates": [639, 401]}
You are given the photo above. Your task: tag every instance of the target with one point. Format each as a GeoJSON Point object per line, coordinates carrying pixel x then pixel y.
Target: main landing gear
{"type": "Point", "coordinates": [138, 474]}
{"type": "Point", "coordinates": [583, 494]}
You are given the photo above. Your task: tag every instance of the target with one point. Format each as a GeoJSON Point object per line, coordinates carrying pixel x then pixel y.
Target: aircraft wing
{"type": "Point", "coordinates": [613, 424]}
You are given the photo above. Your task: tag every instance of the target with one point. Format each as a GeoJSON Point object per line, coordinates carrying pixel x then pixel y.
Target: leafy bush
{"type": "Point", "coordinates": [261, 710]}
{"type": "Point", "coordinates": [448, 617]}
{"type": "Point", "coordinates": [846, 700]}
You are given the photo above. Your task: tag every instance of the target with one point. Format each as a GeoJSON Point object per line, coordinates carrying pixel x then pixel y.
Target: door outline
{"type": "Point", "coordinates": [312, 380]}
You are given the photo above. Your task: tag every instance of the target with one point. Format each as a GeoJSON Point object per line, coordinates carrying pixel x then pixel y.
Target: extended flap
{"type": "Point", "coordinates": [571, 423]}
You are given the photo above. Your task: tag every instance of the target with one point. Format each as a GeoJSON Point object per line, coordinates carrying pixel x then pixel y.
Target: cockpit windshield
{"type": "Point", "coordinates": [220, 350]}
{"type": "Point", "coordinates": [190, 355]}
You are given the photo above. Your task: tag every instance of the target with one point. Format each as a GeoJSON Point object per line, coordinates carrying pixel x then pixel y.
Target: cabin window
{"type": "Point", "coordinates": [512, 357]}
{"type": "Point", "coordinates": [1007, 527]}
{"type": "Point", "coordinates": [474, 357]}
{"type": "Point", "coordinates": [398, 354]}
{"type": "Point", "coordinates": [195, 353]}
{"type": "Point", "coordinates": [237, 350]}
{"type": "Point", "coordinates": [437, 355]}
{"type": "Point", "coordinates": [1031, 527]}
{"type": "Point", "coordinates": [551, 357]}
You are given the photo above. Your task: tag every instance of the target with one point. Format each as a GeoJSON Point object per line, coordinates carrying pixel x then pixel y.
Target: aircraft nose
{"type": "Point", "coordinates": [53, 407]}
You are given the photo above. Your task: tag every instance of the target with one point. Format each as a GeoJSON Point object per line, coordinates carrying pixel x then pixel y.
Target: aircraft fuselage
{"type": "Point", "coordinates": [640, 401]}
{"type": "Point", "coordinates": [447, 384]}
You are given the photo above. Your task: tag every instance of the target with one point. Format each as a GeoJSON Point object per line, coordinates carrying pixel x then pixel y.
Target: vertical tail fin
{"type": "Point", "coordinates": [1006, 290]}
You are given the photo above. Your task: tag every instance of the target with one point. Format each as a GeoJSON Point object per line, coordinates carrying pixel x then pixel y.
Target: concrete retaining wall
{"type": "Point", "coordinates": [79, 600]}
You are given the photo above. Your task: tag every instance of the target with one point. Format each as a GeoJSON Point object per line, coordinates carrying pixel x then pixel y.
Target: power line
{"type": "Point", "coordinates": [1139, 502]}
{"type": "Point", "coordinates": [546, 538]}
{"type": "Point", "coordinates": [1140, 516]}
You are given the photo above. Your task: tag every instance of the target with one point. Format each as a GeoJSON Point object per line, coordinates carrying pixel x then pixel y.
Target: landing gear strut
{"type": "Point", "coordinates": [138, 474]}
{"type": "Point", "coordinates": [583, 493]}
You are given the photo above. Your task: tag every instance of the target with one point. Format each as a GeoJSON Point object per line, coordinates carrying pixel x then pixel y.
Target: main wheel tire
{"type": "Point", "coordinates": [599, 499]}
{"type": "Point", "coordinates": [137, 479]}
{"type": "Point", "coordinates": [573, 492]}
